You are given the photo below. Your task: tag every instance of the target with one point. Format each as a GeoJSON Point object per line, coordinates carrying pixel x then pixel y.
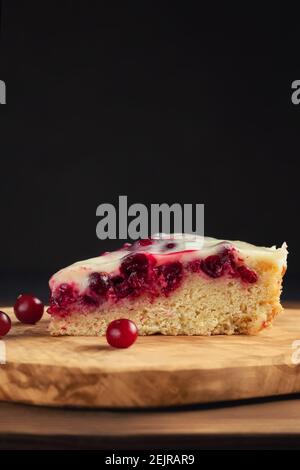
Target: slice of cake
{"type": "Point", "coordinates": [180, 285]}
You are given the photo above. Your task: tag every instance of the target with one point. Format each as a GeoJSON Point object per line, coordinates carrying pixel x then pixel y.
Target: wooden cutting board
{"type": "Point", "coordinates": [155, 371]}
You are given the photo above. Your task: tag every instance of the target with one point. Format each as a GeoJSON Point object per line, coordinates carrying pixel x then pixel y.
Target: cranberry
{"type": "Point", "coordinates": [121, 287]}
{"type": "Point", "coordinates": [213, 266]}
{"type": "Point", "coordinates": [169, 276]}
{"type": "Point", "coordinates": [227, 256]}
{"type": "Point", "coordinates": [135, 281]}
{"type": "Point", "coordinates": [216, 265]}
{"type": "Point", "coordinates": [170, 246]}
{"type": "Point", "coordinates": [28, 309]}
{"type": "Point", "coordinates": [121, 333]}
{"type": "Point", "coordinates": [5, 324]}
{"type": "Point", "coordinates": [99, 283]}
{"type": "Point", "coordinates": [137, 264]}
{"type": "Point", "coordinates": [195, 266]}
{"type": "Point", "coordinates": [247, 275]}
{"type": "Point", "coordinates": [225, 262]}
{"type": "Point", "coordinates": [144, 242]}
{"type": "Point", "coordinates": [127, 245]}
{"type": "Point", "coordinates": [63, 296]}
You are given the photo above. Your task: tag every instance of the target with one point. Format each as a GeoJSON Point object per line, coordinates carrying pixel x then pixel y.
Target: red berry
{"type": "Point", "coordinates": [169, 276]}
{"type": "Point", "coordinates": [99, 283]}
{"type": "Point", "coordinates": [63, 295]}
{"type": "Point", "coordinates": [121, 287]}
{"type": "Point", "coordinates": [127, 245]}
{"type": "Point", "coordinates": [170, 246]}
{"type": "Point", "coordinates": [213, 266]}
{"type": "Point", "coordinates": [5, 324]}
{"type": "Point", "coordinates": [247, 275]}
{"type": "Point", "coordinates": [143, 242]}
{"type": "Point", "coordinates": [28, 309]}
{"type": "Point", "coordinates": [137, 263]}
{"type": "Point", "coordinates": [195, 266]}
{"type": "Point", "coordinates": [121, 333]}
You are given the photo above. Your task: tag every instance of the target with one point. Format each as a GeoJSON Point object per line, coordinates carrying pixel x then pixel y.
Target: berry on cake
{"type": "Point", "coordinates": [173, 285]}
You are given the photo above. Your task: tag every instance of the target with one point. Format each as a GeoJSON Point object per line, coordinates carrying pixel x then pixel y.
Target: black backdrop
{"type": "Point", "coordinates": [161, 101]}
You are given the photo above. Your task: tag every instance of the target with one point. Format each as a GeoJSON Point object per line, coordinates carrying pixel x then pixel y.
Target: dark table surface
{"type": "Point", "coordinates": [264, 424]}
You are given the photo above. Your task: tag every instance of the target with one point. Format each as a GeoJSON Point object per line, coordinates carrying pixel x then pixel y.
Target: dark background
{"type": "Point", "coordinates": [161, 101]}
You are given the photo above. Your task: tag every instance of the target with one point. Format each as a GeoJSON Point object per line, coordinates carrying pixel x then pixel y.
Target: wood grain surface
{"type": "Point", "coordinates": [156, 371]}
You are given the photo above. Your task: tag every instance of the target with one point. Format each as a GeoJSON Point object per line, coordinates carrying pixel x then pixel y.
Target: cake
{"type": "Point", "coordinates": [173, 285]}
